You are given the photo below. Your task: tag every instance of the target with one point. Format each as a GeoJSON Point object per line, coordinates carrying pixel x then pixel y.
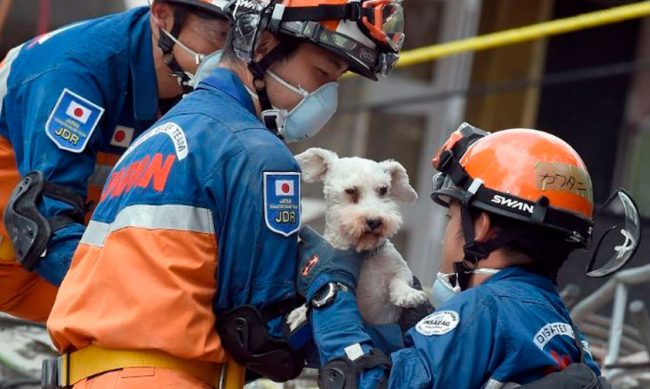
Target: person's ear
{"type": "Point", "coordinates": [483, 230]}
{"type": "Point", "coordinates": [162, 15]}
{"type": "Point", "coordinates": [266, 42]}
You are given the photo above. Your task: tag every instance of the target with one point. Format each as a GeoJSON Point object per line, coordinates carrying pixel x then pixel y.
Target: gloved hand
{"type": "Point", "coordinates": [320, 264]}
{"type": "Point", "coordinates": [411, 316]}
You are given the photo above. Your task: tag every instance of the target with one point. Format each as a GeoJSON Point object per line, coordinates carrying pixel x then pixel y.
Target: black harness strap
{"type": "Point", "coordinates": [349, 11]}
{"type": "Point", "coordinates": [166, 45]}
{"type": "Point", "coordinates": [343, 373]}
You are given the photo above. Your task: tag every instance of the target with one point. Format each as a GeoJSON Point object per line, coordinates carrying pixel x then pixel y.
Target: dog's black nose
{"type": "Point", "coordinates": [373, 224]}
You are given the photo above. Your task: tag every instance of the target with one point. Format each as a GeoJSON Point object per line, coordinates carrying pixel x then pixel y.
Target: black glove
{"type": "Point", "coordinates": [320, 264]}
{"type": "Point", "coordinates": [411, 316]}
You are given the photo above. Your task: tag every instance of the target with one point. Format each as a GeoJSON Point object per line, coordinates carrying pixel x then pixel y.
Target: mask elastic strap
{"type": "Point", "coordinates": [198, 57]}
{"type": "Point", "coordinates": [258, 69]}
{"type": "Point", "coordinates": [166, 45]}
{"type": "Point", "coordinates": [297, 90]}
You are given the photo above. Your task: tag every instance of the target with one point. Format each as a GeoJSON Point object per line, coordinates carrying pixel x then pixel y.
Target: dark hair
{"type": "Point", "coordinates": [543, 249]}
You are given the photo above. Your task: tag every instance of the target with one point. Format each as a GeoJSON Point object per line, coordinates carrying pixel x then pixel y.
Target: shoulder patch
{"type": "Point", "coordinates": [72, 121]}
{"type": "Point", "coordinates": [282, 202]}
{"type": "Point", "coordinates": [438, 323]}
{"type": "Point", "coordinates": [175, 133]}
{"type": "Point", "coordinates": [550, 331]}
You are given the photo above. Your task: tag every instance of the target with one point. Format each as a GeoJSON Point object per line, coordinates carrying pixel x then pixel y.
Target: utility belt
{"type": "Point", "coordinates": [70, 368]}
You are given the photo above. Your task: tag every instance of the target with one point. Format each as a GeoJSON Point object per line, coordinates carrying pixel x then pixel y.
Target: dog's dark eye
{"type": "Point", "coordinates": [353, 193]}
{"type": "Point", "coordinates": [382, 190]}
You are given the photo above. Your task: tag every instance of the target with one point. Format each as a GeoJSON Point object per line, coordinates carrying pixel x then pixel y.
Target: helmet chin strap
{"type": "Point", "coordinates": [166, 45]}
{"type": "Point", "coordinates": [258, 69]}
{"type": "Point", "coordinates": [475, 251]}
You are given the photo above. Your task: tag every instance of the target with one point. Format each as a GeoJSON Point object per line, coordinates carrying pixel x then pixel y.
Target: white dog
{"type": "Point", "coordinates": [362, 213]}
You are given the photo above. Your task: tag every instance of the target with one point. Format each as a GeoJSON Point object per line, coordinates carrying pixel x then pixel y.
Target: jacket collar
{"type": "Point", "coordinates": [523, 274]}
{"type": "Point", "coordinates": [228, 82]}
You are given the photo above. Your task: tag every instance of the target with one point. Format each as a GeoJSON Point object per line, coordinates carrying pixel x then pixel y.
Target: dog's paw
{"type": "Point", "coordinates": [409, 298]}
{"type": "Point", "coordinates": [297, 317]}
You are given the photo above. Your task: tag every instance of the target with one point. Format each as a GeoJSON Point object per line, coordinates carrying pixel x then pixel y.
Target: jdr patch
{"type": "Point", "coordinates": [282, 202]}
{"type": "Point", "coordinates": [72, 121]}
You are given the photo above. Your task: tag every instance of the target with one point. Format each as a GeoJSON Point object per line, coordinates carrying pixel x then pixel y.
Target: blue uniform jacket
{"type": "Point", "coordinates": [511, 328]}
{"type": "Point", "coordinates": [72, 102]}
{"type": "Point", "coordinates": [221, 159]}
{"type": "Point", "coordinates": [200, 215]}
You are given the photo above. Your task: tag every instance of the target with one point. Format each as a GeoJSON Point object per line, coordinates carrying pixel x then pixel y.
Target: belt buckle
{"type": "Point", "coordinates": [51, 373]}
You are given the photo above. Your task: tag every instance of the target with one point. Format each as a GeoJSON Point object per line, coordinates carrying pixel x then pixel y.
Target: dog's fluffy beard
{"type": "Point", "coordinates": [349, 227]}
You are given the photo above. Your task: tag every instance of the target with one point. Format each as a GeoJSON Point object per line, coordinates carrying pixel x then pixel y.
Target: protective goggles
{"type": "Point", "coordinates": [444, 190]}
{"type": "Point", "coordinates": [361, 59]}
{"type": "Point", "coordinates": [617, 245]}
{"type": "Point", "coordinates": [384, 22]}
{"type": "Point", "coordinates": [381, 20]}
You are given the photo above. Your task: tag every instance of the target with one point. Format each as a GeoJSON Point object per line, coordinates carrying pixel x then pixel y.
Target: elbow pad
{"type": "Point", "coordinates": [244, 336]}
{"type": "Point", "coordinates": [30, 230]}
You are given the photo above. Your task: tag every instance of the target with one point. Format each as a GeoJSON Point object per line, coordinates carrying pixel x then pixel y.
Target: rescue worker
{"type": "Point", "coordinates": [72, 102]}
{"type": "Point", "coordinates": [519, 201]}
{"type": "Point", "coordinates": [197, 224]}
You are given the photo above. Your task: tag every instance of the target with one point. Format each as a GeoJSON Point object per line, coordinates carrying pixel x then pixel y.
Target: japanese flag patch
{"type": "Point", "coordinates": [72, 121]}
{"type": "Point", "coordinates": [282, 202]}
{"type": "Point", "coordinates": [122, 136]}
{"type": "Point", "coordinates": [438, 323]}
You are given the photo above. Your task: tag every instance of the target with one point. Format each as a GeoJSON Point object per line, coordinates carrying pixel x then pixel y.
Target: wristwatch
{"type": "Point", "coordinates": [326, 294]}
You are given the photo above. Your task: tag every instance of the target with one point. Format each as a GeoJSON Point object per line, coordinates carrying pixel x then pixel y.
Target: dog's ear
{"type": "Point", "coordinates": [400, 189]}
{"type": "Point", "coordinates": [316, 163]}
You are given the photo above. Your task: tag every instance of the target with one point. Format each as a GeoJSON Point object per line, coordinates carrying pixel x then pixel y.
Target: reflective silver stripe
{"type": "Point", "coordinates": [95, 234]}
{"type": "Point", "coordinates": [99, 176]}
{"type": "Point", "coordinates": [496, 384]}
{"type": "Point", "coordinates": [164, 217]}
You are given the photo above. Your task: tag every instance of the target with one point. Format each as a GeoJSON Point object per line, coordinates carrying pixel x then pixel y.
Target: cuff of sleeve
{"type": "Point", "coordinates": [339, 326]}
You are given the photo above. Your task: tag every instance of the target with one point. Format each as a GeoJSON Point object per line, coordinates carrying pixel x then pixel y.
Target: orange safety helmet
{"type": "Point", "coordinates": [530, 176]}
{"type": "Point", "coordinates": [367, 34]}
{"type": "Point", "coordinates": [524, 174]}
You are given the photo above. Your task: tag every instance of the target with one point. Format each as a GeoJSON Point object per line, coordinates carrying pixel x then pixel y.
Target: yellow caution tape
{"type": "Point", "coordinates": [527, 33]}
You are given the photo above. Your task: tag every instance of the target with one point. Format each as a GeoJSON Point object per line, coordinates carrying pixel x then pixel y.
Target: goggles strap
{"type": "Point", "coordinates": [542, 214]}
{"type": "Point", "coordinates": [349, 11]}
{"type": "Point", "coordinates": [166, 45]}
